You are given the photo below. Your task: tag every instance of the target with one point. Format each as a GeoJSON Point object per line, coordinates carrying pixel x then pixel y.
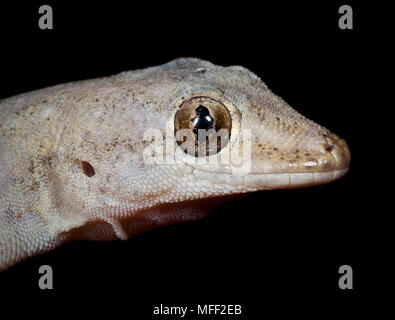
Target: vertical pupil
{"type": "Point", "coordinates": [203, 119]}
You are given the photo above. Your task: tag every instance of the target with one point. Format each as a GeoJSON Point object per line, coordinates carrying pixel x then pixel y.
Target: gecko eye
{"type": "Point", "coordinates": [202, 126]}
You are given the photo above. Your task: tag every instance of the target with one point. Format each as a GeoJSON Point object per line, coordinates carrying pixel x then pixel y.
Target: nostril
{"type": "Point", "coordinates": [87, 168]}
{"type": "Point", "coordinates": [328, 147]}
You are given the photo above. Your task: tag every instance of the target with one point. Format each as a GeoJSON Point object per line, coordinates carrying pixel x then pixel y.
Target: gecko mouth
{"type": "Point", "coordinates": [331, 166]}
{"type": "Point", "coordinates": [270, 181]}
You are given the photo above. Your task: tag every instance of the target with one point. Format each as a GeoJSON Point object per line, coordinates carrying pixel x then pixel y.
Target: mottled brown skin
{"type": "Point", "coordinates": [72, 156]}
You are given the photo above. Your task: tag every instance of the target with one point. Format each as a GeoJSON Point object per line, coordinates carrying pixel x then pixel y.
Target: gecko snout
{"type": "Point", "coordinates": [338, 150]}
{"type": "Point", "coordinates": [332, 163]}
{"type": "Point", "coordinates": [334, 155]}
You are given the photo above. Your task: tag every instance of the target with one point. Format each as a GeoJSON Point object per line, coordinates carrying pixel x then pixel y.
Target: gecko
{"type": "Point", "coordinates": [75, 158]}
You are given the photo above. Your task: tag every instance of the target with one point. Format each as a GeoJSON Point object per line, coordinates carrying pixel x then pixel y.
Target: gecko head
{"type": "Point", "coordinates": [251, 139]}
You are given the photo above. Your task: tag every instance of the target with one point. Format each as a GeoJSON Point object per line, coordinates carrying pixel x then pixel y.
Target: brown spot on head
{"type": "Point", "coordinates": [261, 116]}
{"type": "Point", "coordinates": [30, 168]}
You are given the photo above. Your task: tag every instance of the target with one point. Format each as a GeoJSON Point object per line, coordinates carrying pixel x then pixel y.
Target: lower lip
{"type": "Point", "coordinates": [292, 180]}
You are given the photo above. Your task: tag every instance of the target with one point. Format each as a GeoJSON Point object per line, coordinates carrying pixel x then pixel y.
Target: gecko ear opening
{"type": "Point", "coordinates": [87, 168]}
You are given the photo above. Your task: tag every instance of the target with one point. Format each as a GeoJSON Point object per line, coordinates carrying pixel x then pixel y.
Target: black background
{"type": "Point", "coordinates": [273, 251]}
